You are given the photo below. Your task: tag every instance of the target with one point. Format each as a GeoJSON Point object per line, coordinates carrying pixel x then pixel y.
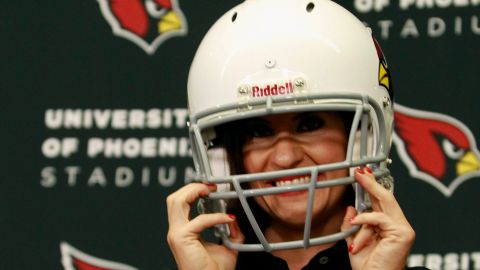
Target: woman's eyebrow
{"type": "Point", "coordinates": [256, 120]}
{"type": "Point", "coordinates": [305, 114]}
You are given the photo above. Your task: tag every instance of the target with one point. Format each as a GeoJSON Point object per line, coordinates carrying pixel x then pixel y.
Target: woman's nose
{"type": "Point", "coordinates": [286, 153]}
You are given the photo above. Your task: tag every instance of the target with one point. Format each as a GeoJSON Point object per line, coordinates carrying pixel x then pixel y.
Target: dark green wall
{"type": "Point", "coordinates": [62, 57]}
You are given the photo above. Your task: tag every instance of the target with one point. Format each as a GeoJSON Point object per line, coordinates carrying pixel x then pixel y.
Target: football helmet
{"type": "Point", "coordinates": [277, 56]}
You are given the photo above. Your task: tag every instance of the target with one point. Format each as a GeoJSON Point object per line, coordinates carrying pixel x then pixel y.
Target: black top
{"type": "Point", "coordinates": [335, 258]}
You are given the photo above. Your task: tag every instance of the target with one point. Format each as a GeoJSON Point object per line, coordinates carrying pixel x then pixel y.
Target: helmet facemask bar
{"type": "Point", "coordinates": [367, 121]}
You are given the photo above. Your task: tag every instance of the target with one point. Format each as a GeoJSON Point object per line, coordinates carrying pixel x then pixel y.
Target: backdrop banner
{"type": "Point", "coordinates": [94, 126]}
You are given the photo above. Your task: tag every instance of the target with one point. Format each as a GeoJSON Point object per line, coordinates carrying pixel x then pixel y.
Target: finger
{"type": "Point", "coordinates": [366, 179]}
{"type": "Point", "coordinates": [386, 226]}
{"type": "Point", "coordinates": [365, 236]}
{"type": "Point", "coordinates": [382, 199]}
{"type": "Point", "coordinates": [191, 192]}
{"type": "Point", "coordinates": [374, 219]}
{"type": "Point", "coordinates": [179, 202]}
{"type": "Point", "coordinates": [236, 235]}
{"type": "Point", "coordinates": [205, 221]}
{"type": "Point", "coordinates": [350, 213]}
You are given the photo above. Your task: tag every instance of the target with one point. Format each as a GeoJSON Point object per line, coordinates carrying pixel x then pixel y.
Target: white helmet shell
{"type": "Point", "coordinates": [263, 39]}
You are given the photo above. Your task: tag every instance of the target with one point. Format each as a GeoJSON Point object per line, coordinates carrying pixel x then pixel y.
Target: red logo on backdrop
{"type": "Point", "coordinates": [147, 23]}
{"type": "Point", "coordinates": [74, 259]}
{"type": "Point", "coordinates": [436, 148]}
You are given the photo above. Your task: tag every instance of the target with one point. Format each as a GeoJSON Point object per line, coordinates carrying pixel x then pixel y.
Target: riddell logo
{"type": "Point", "coordinates": [272, 90]}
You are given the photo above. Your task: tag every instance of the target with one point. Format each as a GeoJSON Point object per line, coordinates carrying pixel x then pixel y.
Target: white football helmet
{"type": "Point", "coordinates": [275, 56]}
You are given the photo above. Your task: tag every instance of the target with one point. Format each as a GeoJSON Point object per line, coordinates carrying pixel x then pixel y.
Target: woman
{"type": "Point", "coordinates": [297, 94]}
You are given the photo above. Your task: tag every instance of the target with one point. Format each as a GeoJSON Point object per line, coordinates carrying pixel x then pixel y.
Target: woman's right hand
{"type": "Point", "coordinates": [183, 237]}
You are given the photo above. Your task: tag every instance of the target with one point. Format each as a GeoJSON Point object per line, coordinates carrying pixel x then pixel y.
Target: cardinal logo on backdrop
{"type": "Point", "coordinates": [147, 23]}
{"type": "Point", "coordinates": [74, 259]}
{"type": "Point", "coordinates": [436, 148]}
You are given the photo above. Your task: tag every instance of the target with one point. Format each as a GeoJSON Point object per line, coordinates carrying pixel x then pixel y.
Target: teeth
{"type": "Point", "coordinates": [296, 181]}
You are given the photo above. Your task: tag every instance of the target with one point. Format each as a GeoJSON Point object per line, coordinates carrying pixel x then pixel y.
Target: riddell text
{"type": "Point", "coordinates": [273, 90]}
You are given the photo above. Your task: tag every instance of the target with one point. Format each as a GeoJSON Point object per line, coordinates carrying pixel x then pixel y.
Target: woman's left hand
{"type": "Point", "coordinates": [385, 237]}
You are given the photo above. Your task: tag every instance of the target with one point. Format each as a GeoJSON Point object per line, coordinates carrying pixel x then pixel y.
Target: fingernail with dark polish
{"type": "Point", "coordinates": [368, 169]}
{"type": "Point", "coordinates": [359, 170]}
{"type": "Point", "coordinates": [232, 216]}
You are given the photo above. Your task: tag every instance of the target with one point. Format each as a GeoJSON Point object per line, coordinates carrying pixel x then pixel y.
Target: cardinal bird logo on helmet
{"type": "Point", "coordinates": [74, 259]}
{"type": "Point", "coordinates": [384, 77]}
{"type": "Point", "coordinates": [436, 148]}
{"type": "Point", "coordinates": [147, 23]}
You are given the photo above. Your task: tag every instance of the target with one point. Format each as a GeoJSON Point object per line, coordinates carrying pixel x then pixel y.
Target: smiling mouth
{"type": "Point", "coordinates": [291, 182]}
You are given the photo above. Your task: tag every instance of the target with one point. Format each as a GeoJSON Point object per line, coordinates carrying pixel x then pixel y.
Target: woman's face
{"type": "Point", "coordinates": [294, 140]}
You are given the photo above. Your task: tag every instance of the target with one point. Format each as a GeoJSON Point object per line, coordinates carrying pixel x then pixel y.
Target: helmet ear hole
{"type": "Point", "coordinates": [310, 7]}
{"type": "Point", "coordinates": [234, 17]}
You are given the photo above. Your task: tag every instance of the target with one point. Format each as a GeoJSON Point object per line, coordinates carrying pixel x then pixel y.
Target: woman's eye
{"type": "Point", "coordinates": [259, 131]}
{"type": "Point", "coordinates": [310, 123]}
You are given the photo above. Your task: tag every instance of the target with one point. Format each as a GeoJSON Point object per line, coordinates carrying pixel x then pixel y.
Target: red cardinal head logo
{"type": "Point", "coordinates": [147, 23]}
{"type": "Point", "coordinates": [436, 148]}
{"type": "Point", "coordinates": [74, 259]}
{"type": "Point", "coordinates": [384, 77]}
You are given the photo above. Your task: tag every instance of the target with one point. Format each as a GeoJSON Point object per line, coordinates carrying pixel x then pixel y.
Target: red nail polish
{"type": "Point", "coordinates": [232, 216]}
{"type": "Point", "coordinates": [368, 169]}
{"type": "Point", "coordinates": [350, 248]}
{"type": "Point", "coordinates": [359, 170]}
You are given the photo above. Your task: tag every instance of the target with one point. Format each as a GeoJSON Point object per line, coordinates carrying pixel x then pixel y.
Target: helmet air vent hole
{"type": "Point", "coordinates": [270, 63]}
{"type": "Point", "coordinates": [310, 7]}
{"type": "Point", "coordinates": [234, 17]}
